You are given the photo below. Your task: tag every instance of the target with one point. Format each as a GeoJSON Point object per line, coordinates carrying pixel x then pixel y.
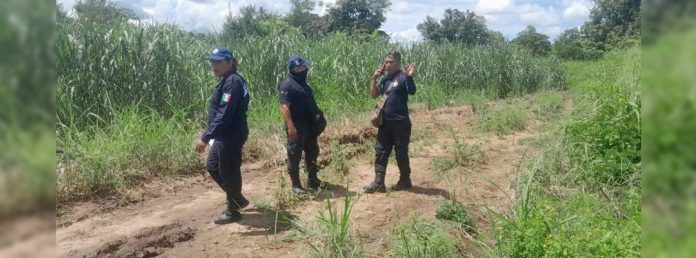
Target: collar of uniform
{"type": "Point", "coordinates": [225, 76]}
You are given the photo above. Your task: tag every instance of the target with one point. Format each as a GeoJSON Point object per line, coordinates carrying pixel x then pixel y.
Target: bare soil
{"type": "Point", "coordinates": [173, 217]}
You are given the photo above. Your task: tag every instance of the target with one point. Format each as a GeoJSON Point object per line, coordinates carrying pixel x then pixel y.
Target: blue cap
{"type": "Point", "coordinates": [221, 54]}
{"type": "Point", "coordinates": [297, 60]}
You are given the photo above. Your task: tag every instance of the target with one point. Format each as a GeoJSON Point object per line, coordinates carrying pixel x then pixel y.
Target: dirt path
{"type": "Point", "coordinates": [174, 219]}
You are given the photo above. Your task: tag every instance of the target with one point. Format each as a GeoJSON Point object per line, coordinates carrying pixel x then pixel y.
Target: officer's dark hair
{"type": "Point", "coordinates": [394, 54]}
{"type": "Point", "coordinates": [234, 62]}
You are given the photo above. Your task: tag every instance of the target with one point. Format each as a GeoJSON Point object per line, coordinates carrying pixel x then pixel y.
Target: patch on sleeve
{"type": "Point", "coordinates": [226, 98]}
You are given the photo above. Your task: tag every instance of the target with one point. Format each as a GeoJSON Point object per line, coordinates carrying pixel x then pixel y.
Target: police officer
{"type": "Point", "coordinates": [227, 132]}
{"type": "Point", "coordinates": [300, 113]}
{"type": "Point", "coordinates": [395, 131]}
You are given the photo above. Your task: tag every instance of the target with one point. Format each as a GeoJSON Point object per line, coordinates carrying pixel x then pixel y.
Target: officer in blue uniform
{"type": "Point", "coordinates": [227, 132]}
{"type": "Point", "coordinates": [303, 123]}
{"type": "Point", "coordinates": [395, 131]}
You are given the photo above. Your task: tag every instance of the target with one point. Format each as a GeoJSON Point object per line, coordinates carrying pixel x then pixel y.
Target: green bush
{"type": "Point", "coordinates": [339, 160]}
{"type": "Point", "coordinates": [669, 166]}
{"type": "Point", "coordinates": [333, 237]}
{"type": "Point", "coordinates": [140, 145]}
{"type": "Point", "coordinates": [579, 225]}
{"type": "Point", "coordinates": [603, 138]}
{"type": "Point", "coordinates": [441, 167]}
{"type": "Point", "coordinates": [502, 119]}
{"type": "Point", "coordinates": [467, 154]}
{"type": "Point", "coordinates": [456, 212]}
{"type": "Point", "coordinates": [421, 238]}
{"type": "Point", "coordinates": [547, 102]}
{"type": "Point", "coordinates": [581, 196]}
{"type": "Point", "coordinates": [27, 106]}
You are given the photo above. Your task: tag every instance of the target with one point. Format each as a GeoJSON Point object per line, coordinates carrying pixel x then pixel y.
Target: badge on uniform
{"type": "Point", "coordinates": [226, 98]}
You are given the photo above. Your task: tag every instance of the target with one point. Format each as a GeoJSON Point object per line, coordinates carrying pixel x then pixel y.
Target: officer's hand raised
{"type": "Point", "coordinates": [411, 70]}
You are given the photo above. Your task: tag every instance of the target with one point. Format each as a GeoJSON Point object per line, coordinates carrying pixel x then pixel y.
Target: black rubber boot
{"type": "Point", "coordinates": [403, 184]}
{"type": "Point", "coordinates": [235, 199]}
{"type": "Point", "coordinates": [313, 181]}
{"type": "Point", "coordinates": [315, 184]}
{"type": "Point", "coordinates": [228, 216]}
{"type": "Point", "coordinates": [238, 205]}
{"type": "Point", "coordinates": [376, 186]}
{"type": "Point", "coordinates": [296, 185]}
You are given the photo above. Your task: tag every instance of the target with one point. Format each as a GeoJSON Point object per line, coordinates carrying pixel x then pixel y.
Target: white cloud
{"type": "Point", "coordinates": [494, 6]}
{"type": "Point", "coordinates": [577, 11]}
{"type": "Point", "coordinates": [67, 6]}
{"type": "Point", "coordinates": [409, 35]}
{"type": "Point", "coordinates": [538, 16]}
{"type": "Point", "coordinates": [552, 31]}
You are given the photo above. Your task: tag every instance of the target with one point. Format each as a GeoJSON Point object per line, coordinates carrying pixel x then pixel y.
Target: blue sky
{"type": "Point", "coordinates": [507, 16]}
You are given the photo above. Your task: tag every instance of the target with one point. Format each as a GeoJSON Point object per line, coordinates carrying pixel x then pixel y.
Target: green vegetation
{"type": "Point", "coordinates": [669, 176]}
{"type": "Point", "coordinates": [27, 103]}
{"type": "Point", "coordinates": [158, 74]}
{"type": "Point", "coordinates": [467, 154]}
{"type": "Point", "coordinates": [441, 167]}
{"type": "Point", "coordinates": [462, 27]}
{"type": "Point", "coordinates": [533, 41]}
{"type": "Point", "coordinates": [612, 25]}
{"type": "Point", "coordinates": [131, 99]}
{"type": "Point", "coordinates": [462, 155]}
{"type": "Point", "coordinates": [422, 238]}
{"type": "Point", "coordinates": [547, 103]}
{"type": "Point", "coordinates": [146, 145]}
{"type": "Point", "coordinates": [502, 119]}
{"type": "Point", "coordinates": [581, 197]}
{"type": "Point", "coordinates": [575, 225]}
{"type": "Point", "coordinates": [332, 236]}
{"type": "Point", "coordinates": [456, 212]}
{"type": "Point", "coordinates": [283, 198]}
{"type": "Point", "coordinates": [339, 166]}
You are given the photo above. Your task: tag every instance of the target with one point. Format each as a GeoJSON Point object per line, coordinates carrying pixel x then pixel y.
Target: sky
{"type": "Point", "coordinates": [550, 17]}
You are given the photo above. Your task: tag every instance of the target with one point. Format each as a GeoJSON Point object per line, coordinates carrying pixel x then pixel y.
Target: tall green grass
{"type": "Point", "coordinates": [160, 73]}
{"type": "Point", "coordinates": [581, 196]}
{"type": "Point", "coordinates": [423, 238]}
{"type": "Point", "coordinates": [137, 146]}
{"type": "Point", "coordinates": [332, 234]}
{"type": "Point", "coordinates": [161, 67]}
{"type": "Point", "coordinates": [27, 104]}
{"type": "Point", "coordinates": [669, 178]}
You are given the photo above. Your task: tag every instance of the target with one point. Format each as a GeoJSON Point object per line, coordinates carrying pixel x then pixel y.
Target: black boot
{"type": "Point", "coordinates": [296, 185]}
{"type": "Point", "coordinates": [403, 184]}
{"type": "Point", "coordinates": [238, 205]}
{"type": "Point", "coordinates": [315, 184]}
{"type": "Point", "coordinates": [228, 216]}
{"type": "Point", "coordinates": [377, 185]}
{"type": "Point", "coordinates": [235, 199]}
{"type": "Point", "coordinates": [313, 181]}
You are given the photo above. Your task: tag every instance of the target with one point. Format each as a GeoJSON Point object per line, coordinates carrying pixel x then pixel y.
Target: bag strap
{"type": "Point", "coordinates": [386, 94]}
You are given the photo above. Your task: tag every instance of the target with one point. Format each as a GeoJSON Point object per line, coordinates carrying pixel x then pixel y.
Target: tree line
{"type": "Point", "coordinates": [612, 24]}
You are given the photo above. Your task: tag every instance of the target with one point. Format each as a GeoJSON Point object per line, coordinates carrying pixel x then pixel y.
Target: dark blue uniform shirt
{"type": "Point", "coordinates": [227, 110]}
{"type": "Point", "coordinates": [396, 107]}
{"type": "Point", "coordinates": [303, 106]}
